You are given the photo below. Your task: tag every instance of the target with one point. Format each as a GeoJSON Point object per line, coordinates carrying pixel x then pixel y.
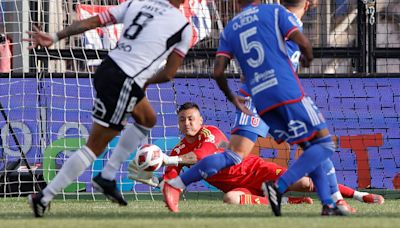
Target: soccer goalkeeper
{"type": "Point", "coordinates": [241, 183]}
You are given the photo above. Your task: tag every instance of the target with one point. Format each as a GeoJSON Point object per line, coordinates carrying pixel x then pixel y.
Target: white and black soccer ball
{"type": "Point", "coordinates": [149, 157]}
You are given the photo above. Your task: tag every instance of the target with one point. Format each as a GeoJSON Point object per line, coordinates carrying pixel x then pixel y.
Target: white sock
{"type": "Point", "coordinates": [72, 168]}
{"type": "Point", "coordinates": [130, 139]}
{"type": "Point", "coordinates": [359, 195]}
{"type": "Point", "coordinates": [177, 183]}
{"type": "Point", "coordinates": [337, 196]}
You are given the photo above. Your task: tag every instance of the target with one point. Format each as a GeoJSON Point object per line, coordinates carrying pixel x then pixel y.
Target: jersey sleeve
{"type": "Point", "coordinates": [287, 21]}
{"type": "Point", "coordinates": [115, 14]}
{"type": "Point", "coordinates": [224, 47]}
{"type": "Point", "coordinates": [183, 46]}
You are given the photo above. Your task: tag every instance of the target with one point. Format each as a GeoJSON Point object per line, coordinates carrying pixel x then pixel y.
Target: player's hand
{"type": "Point", "coordinates": [38, 37]}
{"type": "Point", "coordinates": [304, 61]}
{"type": "Point", "coordinates": [145, 177]}
{"type": "Point", "coordinates": [239, 102]}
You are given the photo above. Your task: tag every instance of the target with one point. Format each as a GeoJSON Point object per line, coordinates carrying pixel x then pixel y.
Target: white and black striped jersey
{"type": "Point", "coordinates": [152, 29]}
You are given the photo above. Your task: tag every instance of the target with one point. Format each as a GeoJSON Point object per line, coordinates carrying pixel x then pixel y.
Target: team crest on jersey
{"type": "Point", "coordinates": [278, 171]}
{"type": "Point", "coordinates": [255, 121]}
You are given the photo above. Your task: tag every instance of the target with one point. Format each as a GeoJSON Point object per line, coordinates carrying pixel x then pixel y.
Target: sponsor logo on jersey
{"type": "Point", "coordinates": [179, 147]}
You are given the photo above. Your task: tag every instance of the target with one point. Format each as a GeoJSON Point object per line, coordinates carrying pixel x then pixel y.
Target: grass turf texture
{"type": "Point", "coordinates": [15, 212]}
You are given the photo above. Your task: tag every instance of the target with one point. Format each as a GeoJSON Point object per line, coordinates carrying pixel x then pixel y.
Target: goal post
{"type": "Point", "coordinates": [47, 94]}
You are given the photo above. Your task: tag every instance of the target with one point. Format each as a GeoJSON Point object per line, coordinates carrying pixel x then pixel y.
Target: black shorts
{"type": "Point", "coordinates": [116, 95]}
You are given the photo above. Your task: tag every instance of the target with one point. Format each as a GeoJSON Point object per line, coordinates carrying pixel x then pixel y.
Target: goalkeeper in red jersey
{"type": "Point", "coordinates": [241, 183]}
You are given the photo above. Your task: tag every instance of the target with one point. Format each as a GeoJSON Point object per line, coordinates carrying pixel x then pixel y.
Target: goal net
{"type": "Point", "coordinates": [47, 94]}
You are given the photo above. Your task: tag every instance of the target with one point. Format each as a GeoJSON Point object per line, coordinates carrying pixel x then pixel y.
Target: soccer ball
{"type": "Point", "coordinates": [149, 157]}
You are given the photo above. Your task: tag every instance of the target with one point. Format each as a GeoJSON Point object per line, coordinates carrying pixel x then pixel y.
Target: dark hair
{"type": "Point", "coordinates": [188, 105]}
{"type": "Point", "coordinates": [292, 3]}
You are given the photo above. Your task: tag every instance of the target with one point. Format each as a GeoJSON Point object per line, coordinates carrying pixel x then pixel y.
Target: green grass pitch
{"type": "Point", "coordinates": [15, 212]}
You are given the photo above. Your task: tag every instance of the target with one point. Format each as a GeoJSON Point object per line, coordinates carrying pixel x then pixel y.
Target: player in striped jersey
{"type": "Point", "coordinates": [153, 31]}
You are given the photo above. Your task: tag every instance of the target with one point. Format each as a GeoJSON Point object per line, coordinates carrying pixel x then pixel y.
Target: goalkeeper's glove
{"type": "Point", "coordinates": [171, 160]}
{"type": "Point", "coordinates": [145, 177]}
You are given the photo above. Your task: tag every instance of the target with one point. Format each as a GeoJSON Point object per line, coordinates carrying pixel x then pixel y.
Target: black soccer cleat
{"type": "Point", "coordinates": [109, 189]}
{"type": "Point", "coordinates": [35, 201]}
{"type": "Point", "coordinates": [331, 211]}
{"type": "Point", "coordinates": [274, 197]}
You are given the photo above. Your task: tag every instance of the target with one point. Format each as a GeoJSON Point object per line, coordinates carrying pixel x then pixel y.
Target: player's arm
{"type": "Point", "coordinates": [304, 45]}
{"type": "Point", "coordinates": [289, 28]}
{"type": "Point", "coordinates": [166, 74]}
{"type": "Point", "coordinates": [174, 60]}
{"type": "Point", "coordinates": [112, 16]}
{"type": "Point", "coordinates": [78, 27]}
{"type": "Point", "coordinates": [221, 62]}
{"type": "Point", "coordinates": [185, 159]}
{"type": "Point", "coordinates": [45, 39]}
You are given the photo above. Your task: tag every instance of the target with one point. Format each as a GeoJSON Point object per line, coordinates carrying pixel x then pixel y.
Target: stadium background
{"type": "Point", "coordinates": [47, 93]}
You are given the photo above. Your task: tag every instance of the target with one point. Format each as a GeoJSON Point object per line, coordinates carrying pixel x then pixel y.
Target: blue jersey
{"type": "Point", "coordinates": [244, 122]}
{"type": "Point", "coordinates": [256, 38]}
{"type": "Point", "coordinates": [293, 49]}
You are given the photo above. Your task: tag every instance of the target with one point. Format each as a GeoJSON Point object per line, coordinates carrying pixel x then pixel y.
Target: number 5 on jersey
{"type": "Point", "coordinates": [247, 46]}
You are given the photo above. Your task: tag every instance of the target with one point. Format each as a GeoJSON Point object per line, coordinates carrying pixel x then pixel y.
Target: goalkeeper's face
{"type": "Point", "coordinates": [190, 122]}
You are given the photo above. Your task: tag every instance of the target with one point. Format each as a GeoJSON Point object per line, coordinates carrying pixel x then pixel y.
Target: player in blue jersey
{"type": "Point", "coordinates": [251, 127]}
{"type": "Point", "coordinates": [255, 37]}
{"type": "Point", "coordinates": [256, 43]}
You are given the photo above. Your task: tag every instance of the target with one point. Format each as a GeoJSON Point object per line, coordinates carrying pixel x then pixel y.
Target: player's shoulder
{"type": "Point", "coordinates": [211, 133]}
{"type": "Point", "coordinates": [209, 129]}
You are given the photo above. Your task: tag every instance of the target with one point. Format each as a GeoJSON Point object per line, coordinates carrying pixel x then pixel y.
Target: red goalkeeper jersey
{"type": "Point", "coordinates": [210, 140]}
{"type": "Point", "coordinates": [249, 174]}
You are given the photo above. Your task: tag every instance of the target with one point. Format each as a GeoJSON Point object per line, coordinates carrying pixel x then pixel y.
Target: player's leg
{"type": "Point", "coordinates": [364, 197]}
{"type": "Point", "coordinates": [73, 167]}
{"type": "Point", "coordinates": [337, 197]}
{"type": "Point", "coordinates": [203, 169]}
{"type": "Point", "coordinates": [300, 123]}
{"type": "Point", "coordinates": [243, 196]}
{"type": "Point", "coordinates": [103, 130]}
{"type": "Point", "coordinates": [131, 137]}
{"type": "Point", "coordinates": [131, 101]}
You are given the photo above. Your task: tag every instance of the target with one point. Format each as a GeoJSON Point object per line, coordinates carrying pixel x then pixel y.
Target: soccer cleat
{"type": "Point", "coordinates": [35, 201]}
{"type": "Point", "coordinates": [373, 198]}
{"type": "Point", "coordinates": [274, 197]}
{"type": "Point", "coordinates": [109, 189]}
{"type": "Point", "coordinates": [345, 208]}
{"type": "Point", "coordinates": [171, 197]}
{"type": "Point", "coordinates": [300, 200]}
{"type": "Point", "coordinates": [331, 211]}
